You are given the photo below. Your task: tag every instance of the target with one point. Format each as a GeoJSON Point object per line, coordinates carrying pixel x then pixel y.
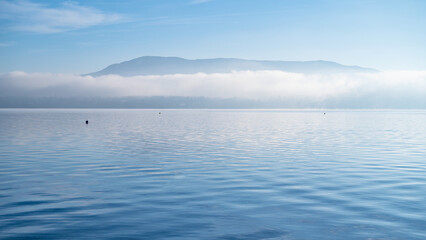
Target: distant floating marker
{"type": "Point", "coordinates": [87, 121]}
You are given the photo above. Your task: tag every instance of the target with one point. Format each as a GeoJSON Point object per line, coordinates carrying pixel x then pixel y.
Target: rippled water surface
{"type": "Point", "coordinates": [212, 174]}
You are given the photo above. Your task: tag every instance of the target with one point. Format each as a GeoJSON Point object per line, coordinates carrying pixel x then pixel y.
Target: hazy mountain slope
{"type": "Point", "coordinates": [174, 65]}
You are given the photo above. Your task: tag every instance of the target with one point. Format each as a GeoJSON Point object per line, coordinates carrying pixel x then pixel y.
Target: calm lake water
{"type": "Point", "coordinates": [212, 174]}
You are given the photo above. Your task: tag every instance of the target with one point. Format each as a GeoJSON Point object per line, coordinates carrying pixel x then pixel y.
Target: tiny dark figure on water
{"type": "Point", "coordinates": [87, 121]}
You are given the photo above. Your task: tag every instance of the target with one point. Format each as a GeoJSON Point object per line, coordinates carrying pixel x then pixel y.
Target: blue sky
{"type": "Point", "coordinates": [86, 36]}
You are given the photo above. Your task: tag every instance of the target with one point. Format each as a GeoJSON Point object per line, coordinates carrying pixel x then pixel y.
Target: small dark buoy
{"type": "Point", "coordinates": [159, 112]}
{"type": "Point", "coordinates": [87, 121]}
{"type": "Point", "coordinates": [324, 113]}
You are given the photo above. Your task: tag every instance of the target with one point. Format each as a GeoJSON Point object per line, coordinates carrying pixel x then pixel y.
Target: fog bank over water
{"type": "Point", "coordinates": [393, 89]}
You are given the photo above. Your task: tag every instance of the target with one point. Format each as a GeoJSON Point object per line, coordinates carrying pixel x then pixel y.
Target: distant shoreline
{"type": "Point", "coordinates": [205, 103]}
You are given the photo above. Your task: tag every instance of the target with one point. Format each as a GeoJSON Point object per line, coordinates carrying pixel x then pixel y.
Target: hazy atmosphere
{"type": "Point", "coordinates": [85, 36]}
{"type": "Point", "coordinates": [47, 47]}
{"type": "Point", "coordinates": [407, 86]}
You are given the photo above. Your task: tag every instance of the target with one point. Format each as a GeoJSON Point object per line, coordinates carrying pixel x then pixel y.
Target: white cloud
{"type": "Point", "coordinates": [199, 1]}
{"type": "Point", "coordinates": [6, 44]}
{"type": "Point", "coordinates": [39, 18]}
{"type": "Point", "coordinates": [396, 86]}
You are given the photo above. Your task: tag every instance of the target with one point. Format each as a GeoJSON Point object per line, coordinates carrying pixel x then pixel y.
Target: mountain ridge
{"type": "Point", "coordinates": [156, 65]}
